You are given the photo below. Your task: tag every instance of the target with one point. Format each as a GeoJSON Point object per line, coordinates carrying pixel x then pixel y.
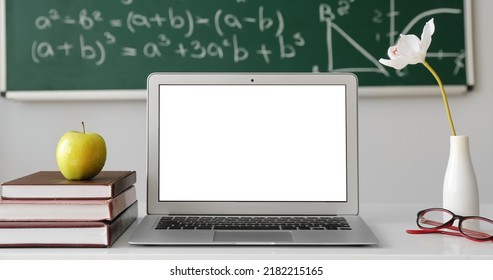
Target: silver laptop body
{"type": "Point", "coordinates": [236, 145]}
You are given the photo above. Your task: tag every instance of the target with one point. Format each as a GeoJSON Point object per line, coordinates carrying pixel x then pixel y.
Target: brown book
{"type": "Point", "coordinates": [66, 234]}
{"type": "Point", "coordinates": [66, 209]}
{"type": "Point", "coordinates": [52, 184]}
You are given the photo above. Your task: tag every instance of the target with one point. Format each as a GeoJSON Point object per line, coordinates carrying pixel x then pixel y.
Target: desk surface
{"type": "Point", "coordinates": [388, 221]}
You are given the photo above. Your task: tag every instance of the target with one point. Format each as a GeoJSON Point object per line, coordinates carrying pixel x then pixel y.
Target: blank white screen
{"type": "Point", "coordinates": [252, 143]}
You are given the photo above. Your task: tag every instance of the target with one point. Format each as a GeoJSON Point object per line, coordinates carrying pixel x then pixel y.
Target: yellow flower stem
{"type": "Point", "coordinates": [444, 95]}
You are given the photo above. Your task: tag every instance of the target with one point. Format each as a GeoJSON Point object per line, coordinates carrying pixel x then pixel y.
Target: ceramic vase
{"type": "Point", "coordinates": [460, 186]}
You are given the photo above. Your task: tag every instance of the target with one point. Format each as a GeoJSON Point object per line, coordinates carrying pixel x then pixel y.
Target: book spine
{"type": "Point", "coordinates": [124, 183]}
{"type": "Point", "coordinates": [121, 202]}
{"type": "Point", "coordinates": [122, 223]}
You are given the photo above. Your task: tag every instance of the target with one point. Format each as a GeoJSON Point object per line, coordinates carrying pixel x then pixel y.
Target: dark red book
{"type": "Point", "coordinates": [66, 234]}
{"type": "Point", "coordinates": [52, 185]}
{"type": "Point", "coordinates": [66, 209]}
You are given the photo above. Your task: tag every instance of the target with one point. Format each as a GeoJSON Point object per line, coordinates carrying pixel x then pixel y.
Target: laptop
{"type": "Point", "coordinates": [252, 159]}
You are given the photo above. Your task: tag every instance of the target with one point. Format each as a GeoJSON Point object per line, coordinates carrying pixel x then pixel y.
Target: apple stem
{"type": "Point", "coordinates": [83, 128]}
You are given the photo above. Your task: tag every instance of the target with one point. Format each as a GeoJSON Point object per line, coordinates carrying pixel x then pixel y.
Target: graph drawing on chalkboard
{"type": "Point", "coordinates": [106, 49]}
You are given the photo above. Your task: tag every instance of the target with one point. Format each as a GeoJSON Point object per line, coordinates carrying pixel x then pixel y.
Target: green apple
{"type": "Point", "coordinates": [80, 155]}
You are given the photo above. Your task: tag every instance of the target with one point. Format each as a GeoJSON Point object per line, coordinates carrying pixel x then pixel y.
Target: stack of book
{"type": "Point", "coordinates": [44, 209]}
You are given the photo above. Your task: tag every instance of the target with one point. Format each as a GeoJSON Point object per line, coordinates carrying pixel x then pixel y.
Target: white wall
{"type": "Point", "coordinates": [403, 140]}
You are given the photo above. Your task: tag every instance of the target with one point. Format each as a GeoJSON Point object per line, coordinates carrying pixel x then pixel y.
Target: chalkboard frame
{"type": "Point", "coordinates": [3, 48]}
{"type": "Point", "coordinates": [140, 94]}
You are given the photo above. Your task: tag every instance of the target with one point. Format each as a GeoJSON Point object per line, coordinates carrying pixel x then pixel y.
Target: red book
{"type": "Point", "coordinates": [66, 234]}
{"type": "Point", "coordinates": [66, 209]}
{"type": "Point", "coordinates": [52, 184]}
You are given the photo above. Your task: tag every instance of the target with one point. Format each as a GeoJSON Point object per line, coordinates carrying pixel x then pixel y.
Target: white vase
{"type": "Point", "coordinates": [460, 186]}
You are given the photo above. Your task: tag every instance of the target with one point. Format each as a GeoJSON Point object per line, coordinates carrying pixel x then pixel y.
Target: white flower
{"type": "Point", "coordinates": [410, 49]}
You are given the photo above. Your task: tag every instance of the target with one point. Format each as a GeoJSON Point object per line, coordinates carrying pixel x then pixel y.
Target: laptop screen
{"type": "Point", "coordinates": [252, 143]}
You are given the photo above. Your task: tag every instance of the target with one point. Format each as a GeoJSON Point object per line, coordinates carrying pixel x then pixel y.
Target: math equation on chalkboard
{"type": "Point", "coordinates": [184, 24]}
{"type": "Point", "coordinates": [116, 44]}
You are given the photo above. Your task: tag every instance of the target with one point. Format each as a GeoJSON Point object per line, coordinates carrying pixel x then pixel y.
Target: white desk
{"type": "Point", "coordinates": [388, 221]}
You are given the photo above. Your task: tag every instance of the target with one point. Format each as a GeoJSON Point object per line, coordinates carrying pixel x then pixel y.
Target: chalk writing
{"type": "Point", "coordinates": [225, 25]}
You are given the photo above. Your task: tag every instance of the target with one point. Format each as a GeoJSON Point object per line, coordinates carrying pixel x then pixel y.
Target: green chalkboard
{"type": "Point", "coordinates": [115, 44]}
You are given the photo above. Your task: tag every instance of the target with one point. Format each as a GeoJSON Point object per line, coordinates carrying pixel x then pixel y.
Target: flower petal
{"type": "Point", "coordinates": [396, 63]}
{"type": "Point", "coordinates": [408, 45]}
{"type": "Point", "coordinates": [392, 52]}
{"type": "Point", "coordinates": [428, 30]}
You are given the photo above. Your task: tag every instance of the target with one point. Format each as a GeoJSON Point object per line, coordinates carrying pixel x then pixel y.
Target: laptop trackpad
{"type": "Point", "coordinates": [252, 236]}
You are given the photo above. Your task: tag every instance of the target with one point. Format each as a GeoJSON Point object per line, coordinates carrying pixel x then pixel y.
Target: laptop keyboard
{"type": "Point", "coordinates": [251, 223]}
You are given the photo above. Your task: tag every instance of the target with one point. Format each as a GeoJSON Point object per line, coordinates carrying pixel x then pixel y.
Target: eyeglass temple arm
{"type": "Point", "coordinates": [468, 231]}
{"type": "Point", "coordinates": [427, 231]}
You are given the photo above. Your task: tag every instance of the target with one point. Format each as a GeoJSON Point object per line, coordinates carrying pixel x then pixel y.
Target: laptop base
{"type": "Point", "coordinates": [146, 234]}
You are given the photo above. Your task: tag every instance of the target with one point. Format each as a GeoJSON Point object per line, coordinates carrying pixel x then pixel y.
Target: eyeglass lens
{"type": "Point", "coordinates": [474, 227]}
{"type": "Point", "coordinates": [434, 218]}
{"type": "Point", "coordinates": [477, 228]}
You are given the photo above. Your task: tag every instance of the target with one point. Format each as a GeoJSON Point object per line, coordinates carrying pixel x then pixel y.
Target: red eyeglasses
{"type": "Point", "coordinates": [439, 220]}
